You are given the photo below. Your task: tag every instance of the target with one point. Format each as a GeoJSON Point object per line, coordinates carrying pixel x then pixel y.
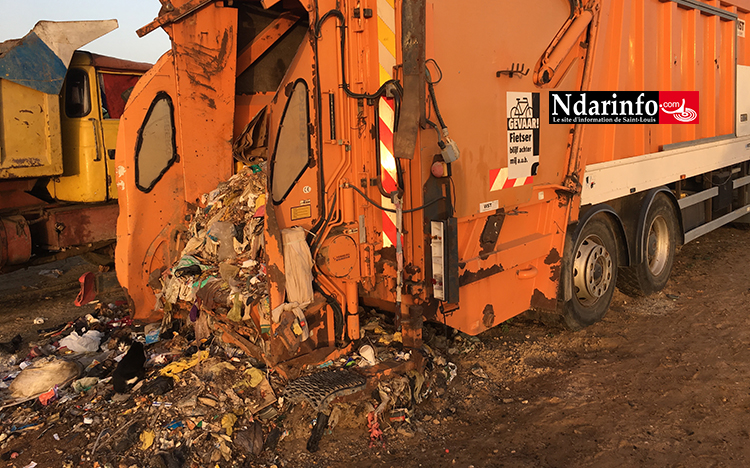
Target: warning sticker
{"type": "Point", "coordinates": [301, 212]}
{"type": "Point", "coordinates": [523, 134]}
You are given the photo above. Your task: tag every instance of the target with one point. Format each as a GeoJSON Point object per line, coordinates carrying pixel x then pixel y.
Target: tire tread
{"type": "Point", "coordinates": [628, 282]}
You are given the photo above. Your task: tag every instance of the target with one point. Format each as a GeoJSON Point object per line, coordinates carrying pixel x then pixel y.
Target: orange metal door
{"type": "Point", "coordinates": [511, 211]}
{"type": "Point", "coordinates": [155, 196]}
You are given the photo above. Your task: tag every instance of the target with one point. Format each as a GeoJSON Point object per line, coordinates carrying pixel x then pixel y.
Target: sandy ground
{"type": "Point", "coordinates": [662, 381]}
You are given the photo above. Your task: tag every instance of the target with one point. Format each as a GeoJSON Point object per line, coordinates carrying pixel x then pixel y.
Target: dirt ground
{"type": "Point", "coordinates": [662, 381]}
{"type": "Point", "coordinates": [47, 292]}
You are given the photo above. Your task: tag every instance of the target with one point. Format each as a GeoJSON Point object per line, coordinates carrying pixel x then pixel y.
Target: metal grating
{"type": "Point", "coordinates": [320, 388]}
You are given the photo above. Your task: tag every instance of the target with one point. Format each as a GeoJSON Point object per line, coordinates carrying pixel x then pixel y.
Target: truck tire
{"type": "Point", "coordinates": [592, 274]}
{"type": "Point", "coordinates": [659, 245]}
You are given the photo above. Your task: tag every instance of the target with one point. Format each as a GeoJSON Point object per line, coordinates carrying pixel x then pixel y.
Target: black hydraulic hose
{"type": "Point", "coordinates": [338, 314]}
{"type": "Point", "coordinates": [574, 5]}
{"type": "Point", "coordinates": [319, 141]}
{"type": "Point", "coordinates": [344, 85]}
{"type": "Point", "coordinates": [431, 88]}
{"type": "Point", "coordinates": [316, 241]}
{"type": "Point", "coordinates": [399, 173]}
{"type": "Point", "coordinates": [437, 130]}
{"type": "Point", "coordinates": [380, 207]}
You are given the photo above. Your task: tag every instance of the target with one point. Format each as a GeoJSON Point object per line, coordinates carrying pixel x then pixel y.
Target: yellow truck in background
{"type": "Point", "coordinates": [59, 115]}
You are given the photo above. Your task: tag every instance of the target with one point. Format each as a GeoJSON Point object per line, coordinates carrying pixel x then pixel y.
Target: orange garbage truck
{"type": "Point", "coordinates": [457, 161]}
{"type": "Point", "coordinates": [59, 111]}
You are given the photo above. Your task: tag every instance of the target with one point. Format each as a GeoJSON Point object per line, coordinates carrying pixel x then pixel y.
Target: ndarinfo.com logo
{"type": "Point", "coordinates": [623, 107]}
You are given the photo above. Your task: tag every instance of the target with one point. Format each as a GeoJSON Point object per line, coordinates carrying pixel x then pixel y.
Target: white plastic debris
{"type": "Point", "coordinates": [297, 266]}
{"type": "Point", "coordinates": [86, 343]}
{"type": "Point", "coordinates": [368, 354]}
{"type": "Point", "coordinates": [42, 376]}
{"type": "Point", "coordinates": [51, 273]}
{"type": "Point", "coordinates": [452, 371]}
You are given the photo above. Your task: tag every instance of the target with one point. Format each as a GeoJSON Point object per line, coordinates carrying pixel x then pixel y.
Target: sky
{"type": "Point", "coordinates": [17, 18]}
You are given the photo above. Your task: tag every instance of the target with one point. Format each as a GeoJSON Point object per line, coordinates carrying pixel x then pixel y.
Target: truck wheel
{"type": "Point", "coordinates": [592, 274]}
{"type": "Point", "coordinates": [660, 242]}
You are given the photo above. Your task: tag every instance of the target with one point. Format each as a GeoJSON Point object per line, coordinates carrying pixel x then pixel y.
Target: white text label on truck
{"type": "Point", "coordinates": [489, 206]}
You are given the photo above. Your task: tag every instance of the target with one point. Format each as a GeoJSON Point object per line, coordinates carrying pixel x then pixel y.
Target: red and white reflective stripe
{"type": "Point", "coordinates": [387, 61]}
{"type": "Point", "coordinates": [388, 174]}
{"type": "Point", "coordinates": [499, 180]}
{"type": "Point", "coordinates": [386, 39]}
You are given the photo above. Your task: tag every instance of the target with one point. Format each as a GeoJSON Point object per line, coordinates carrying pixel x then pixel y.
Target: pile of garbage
{"type": "Point", "coordinates": [122, 392]}
{"type": "Point", "coordinates": [221, 268]}
{"type": "Point", "coordinates": [103, 391]}
{"type": "Point", "coordinates": [197, 388]}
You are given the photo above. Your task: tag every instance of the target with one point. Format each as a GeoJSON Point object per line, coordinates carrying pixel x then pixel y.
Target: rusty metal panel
{"type": "Point", "coordinates": [33, 69]}
{"type": "Point", "coordinates": [199, 75]}
{"type": "Point", "coordinates": [15, 241]}
{"type": "Point", "coordinates": [69, 226]}
{"type": "Point", "coordinates": [30, 143]}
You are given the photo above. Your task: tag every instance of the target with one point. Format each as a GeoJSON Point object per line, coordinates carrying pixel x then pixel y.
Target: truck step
{"type": "Point", "coordinates": [322, 387]}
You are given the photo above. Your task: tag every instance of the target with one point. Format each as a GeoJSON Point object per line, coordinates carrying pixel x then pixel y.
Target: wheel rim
{"type": "Point", "coordinates": [592, 271]}
{"type": "Point", "coordinates": [657, 246]}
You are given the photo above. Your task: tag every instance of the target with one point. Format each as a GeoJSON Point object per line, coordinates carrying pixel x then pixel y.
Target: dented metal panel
{"type": "Point", "coordinates": [40, 59]}
{"type": "Point", "coordinates": [30, 143]}
{"type": "Point", "coordinates": [32, 72]}
{"type": "Point", "coordinates": [199, 77]}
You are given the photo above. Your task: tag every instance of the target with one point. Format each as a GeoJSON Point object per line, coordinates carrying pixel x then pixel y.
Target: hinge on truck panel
{"type": "Point", "coordinates": [167, 16]}
{"type": "Point", "coordinates": [166, 5]}
{"type": "Point", "coordinates": [366, 13]}
{"type": "Point", "coordinates": [571, 185]}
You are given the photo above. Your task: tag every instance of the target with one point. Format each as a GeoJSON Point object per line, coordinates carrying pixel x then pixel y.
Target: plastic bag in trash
{"type": "Point", "coordinates": [42, 376]}
{"type": "Point", "coordinates": [86, 343]}
{"type": "Point", "coordinates": [223, 233]}
{"type": "Point", "coordinates": [152, 331]}
{"type": "Point", "coordinates": [297, 266]}
{"type": "Point", "coordinates": [188, 266]}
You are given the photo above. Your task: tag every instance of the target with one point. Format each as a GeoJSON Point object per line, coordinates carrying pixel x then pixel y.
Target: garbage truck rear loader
{"type": "Point", "coordinates": [415, 144]}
